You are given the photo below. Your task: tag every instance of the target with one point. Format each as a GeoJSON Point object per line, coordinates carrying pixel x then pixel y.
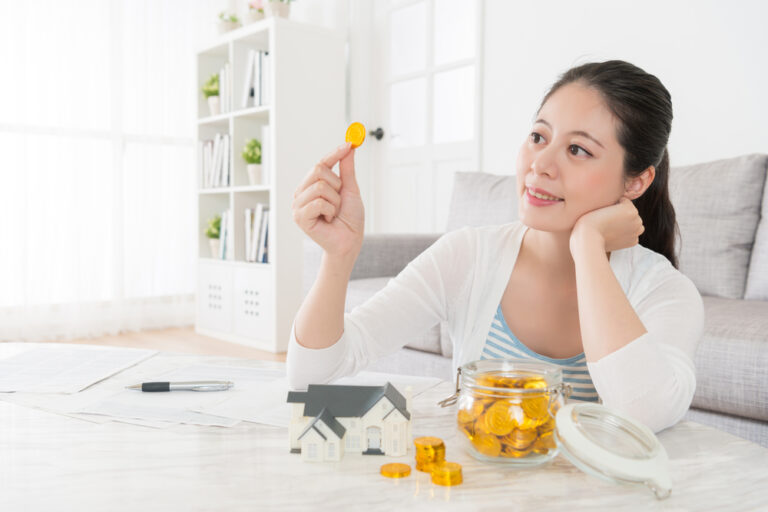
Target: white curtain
{"type": "Point", "coordinates": [97, 178]}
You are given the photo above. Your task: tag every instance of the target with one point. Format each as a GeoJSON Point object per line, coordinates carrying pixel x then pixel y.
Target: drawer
{"type": "Point", "coordinates": [254, 303]}
{"type": "Point", "coordinates": [214, 297]}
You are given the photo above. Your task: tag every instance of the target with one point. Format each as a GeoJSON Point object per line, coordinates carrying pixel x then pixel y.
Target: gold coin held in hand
{"type": "Point", "coordinates": [395, 470]}
{"type": "Point", "coordinates": [355, 134]}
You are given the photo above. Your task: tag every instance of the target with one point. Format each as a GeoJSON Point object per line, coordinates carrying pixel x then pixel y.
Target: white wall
{"type": "Point", "coordinates": [712, 56]}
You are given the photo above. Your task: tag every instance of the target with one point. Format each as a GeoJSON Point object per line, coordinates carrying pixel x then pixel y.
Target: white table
{"type": "Point", "coordinates": [53, 462]}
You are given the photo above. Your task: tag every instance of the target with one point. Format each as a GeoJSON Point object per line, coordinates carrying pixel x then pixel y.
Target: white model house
{"type": "Point", "coordinates": [329, 420]}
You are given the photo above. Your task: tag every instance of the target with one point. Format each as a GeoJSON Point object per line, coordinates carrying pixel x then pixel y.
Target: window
{"type": "Point", "coordinates": [312, 451]}
{"type": "Point", "coordinates": [97, 136]}
{"type": "Point", "coordinates": [331, 450]}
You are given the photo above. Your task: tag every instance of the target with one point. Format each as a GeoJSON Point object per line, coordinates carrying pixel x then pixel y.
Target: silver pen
{"type": "Point", "coordinates": [200, 385]}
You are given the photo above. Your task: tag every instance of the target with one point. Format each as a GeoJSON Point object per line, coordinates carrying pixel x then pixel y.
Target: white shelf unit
{"type": "Point", "coordinates": [254, 303]}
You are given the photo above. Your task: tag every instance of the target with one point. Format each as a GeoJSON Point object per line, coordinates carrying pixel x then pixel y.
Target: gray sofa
{"type": "Point", "coordinates": [722, 213]}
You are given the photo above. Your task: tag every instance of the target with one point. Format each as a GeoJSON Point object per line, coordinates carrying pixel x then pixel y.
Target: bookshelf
{"type": "Point", "coordinates": [238, 300]}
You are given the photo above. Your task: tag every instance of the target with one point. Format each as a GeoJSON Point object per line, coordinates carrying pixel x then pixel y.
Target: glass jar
{"type": "Point", "coordinates": [506, 410]}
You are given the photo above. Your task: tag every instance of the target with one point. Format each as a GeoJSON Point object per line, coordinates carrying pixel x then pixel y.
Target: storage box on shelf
{"type": "Point", "coordinates": [298, 119]}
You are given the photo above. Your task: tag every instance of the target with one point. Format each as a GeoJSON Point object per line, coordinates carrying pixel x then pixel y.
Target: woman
{"type": "Point", "coordinates": [586, 279]}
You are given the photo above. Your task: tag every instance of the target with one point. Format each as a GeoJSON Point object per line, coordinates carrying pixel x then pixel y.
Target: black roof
{"type": "Point", "coordinates": [329, 420]}
{"type": "Point", "coordinates": [346, 401]}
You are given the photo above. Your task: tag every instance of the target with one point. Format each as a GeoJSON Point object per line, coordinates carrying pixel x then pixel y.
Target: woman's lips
{"type": "Point", "coordinates": [535, 201]}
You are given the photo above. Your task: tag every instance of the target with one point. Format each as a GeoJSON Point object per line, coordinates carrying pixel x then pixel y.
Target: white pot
{"type": "Point", "coordinates": [254, 15]}
{"type": "Point", "coordinates": [254, 174]}
{"type": "Point", "coordinates": [215, 247]}
{"type": "Point", "coordinates": [226, 26]}
{"type": "Point", "coordinates": [214, 105]}
{"type": "Point", "coordinates": [280, 9]}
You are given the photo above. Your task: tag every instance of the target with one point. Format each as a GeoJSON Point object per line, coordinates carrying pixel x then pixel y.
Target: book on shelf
{"type": "Point", "coordinates": [256, 88]}
{"type": "Point", "coordinates": [256, 233]}
{"type": "Point", "coordinates": [215, 159]}
{"type": "Point", "coordinates": [225, 235]}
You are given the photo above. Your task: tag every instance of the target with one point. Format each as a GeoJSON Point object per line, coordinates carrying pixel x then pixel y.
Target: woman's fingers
{"type": "Point", "coordinates": [307, 214]}
{"type": "Point", "coordinates": [319, 189]}
{"type": "Point", "coordinates": [318, 172]}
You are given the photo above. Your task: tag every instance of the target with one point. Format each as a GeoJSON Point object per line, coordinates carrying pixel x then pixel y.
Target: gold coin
{"type": "Point", "coordinates": [511, 452]}
{"type": "Point", "coordinates": [487, 444]}
{"type": "Point", "coordinates": [547, 426]}
{"type": "Point", "coordinates": [501, 418]}
{"type": "Point", "coordinates": [395, 470]}
{"type": "Point", "coordinates": [447, 473]}
{"type": "Point", "coordinates": [519, 439]}
{"type": "Point", "coordinates": [355, 134]}
{"type": "Point", "coordinates": [544, 443]}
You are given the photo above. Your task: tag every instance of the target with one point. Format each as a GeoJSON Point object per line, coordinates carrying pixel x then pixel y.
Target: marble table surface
{"type": "Point", "coordinates": [56, 462]}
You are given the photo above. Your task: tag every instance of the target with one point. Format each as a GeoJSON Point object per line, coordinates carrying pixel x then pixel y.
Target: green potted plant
{"type": "Point", "coordinates": [255, 11]}
{"type": "Point", "coordinates": [227, 22]}
{"type": "Point", "coordinates": [279, 8]}
{"type": "Point", "coordinates": [213, 231]}
{"type": "Point", "coordinates": [252, 157]}
{"type": "Point", "coordinates": [211, 93]}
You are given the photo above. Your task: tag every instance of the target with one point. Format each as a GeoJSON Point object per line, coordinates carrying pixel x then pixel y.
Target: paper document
{"type": "Point", "coordinates": [268, 405]}
{"type": "Point", "coordinates": [65, 368]}
{"type": "Point", "coordinates": [185, 406]}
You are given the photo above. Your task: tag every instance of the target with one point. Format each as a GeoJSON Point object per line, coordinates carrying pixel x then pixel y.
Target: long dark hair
{"type": "Point", "coordinates": [643, 107]}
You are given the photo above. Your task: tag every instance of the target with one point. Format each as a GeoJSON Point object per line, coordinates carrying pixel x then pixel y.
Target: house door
{"type": "Point", "coordinates": [428, 94]}
{"type": "Point", "coordinates": [374, 438]}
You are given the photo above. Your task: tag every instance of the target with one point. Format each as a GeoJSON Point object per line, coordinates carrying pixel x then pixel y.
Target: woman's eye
{"type": "Point", "coordinates": [535, 137]}
{"type": "Point", "coordinates": [576, 151]}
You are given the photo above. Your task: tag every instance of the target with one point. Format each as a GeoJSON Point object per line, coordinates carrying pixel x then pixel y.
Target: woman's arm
{"type": "Point", "coordinates": [640, 361]}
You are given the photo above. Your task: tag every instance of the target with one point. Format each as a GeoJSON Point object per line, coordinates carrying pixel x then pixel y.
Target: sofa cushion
{"type": "Point", "coordinates": [757, 278]}
{"type": "Point", "coordinates": [718, 207]}
{"type": "Point", "coordinates": [360, 290]}
{"type": "Point", "coordinates": [482, 199]}
{"type": "Point", "coordinates": [732, 358]}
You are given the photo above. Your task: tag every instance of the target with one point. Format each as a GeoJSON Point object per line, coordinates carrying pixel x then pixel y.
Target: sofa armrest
{"type": "Point", "coordinates": [382, 255]}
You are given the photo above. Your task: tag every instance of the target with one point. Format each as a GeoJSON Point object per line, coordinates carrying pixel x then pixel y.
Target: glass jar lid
{"type": "Point", "coordinates": [613, 447]}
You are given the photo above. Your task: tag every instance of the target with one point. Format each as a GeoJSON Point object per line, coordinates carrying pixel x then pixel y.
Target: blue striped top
{"type": "Point", "coordinates": [501, 343]}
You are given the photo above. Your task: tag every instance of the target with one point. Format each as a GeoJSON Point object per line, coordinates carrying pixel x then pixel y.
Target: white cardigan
{"type": "Point", "coordinates": [459, 281]}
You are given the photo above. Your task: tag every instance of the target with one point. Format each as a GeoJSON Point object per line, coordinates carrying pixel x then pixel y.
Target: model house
{"type": "Point", "coordinates": [330, 420]}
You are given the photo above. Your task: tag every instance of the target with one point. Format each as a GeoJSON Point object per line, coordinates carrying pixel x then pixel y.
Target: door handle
{"type": "Point", "coordinates": [378, 133]}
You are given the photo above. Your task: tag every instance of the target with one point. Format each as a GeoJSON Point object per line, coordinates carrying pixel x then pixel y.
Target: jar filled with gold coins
{"type": "Point", "coordinates": [506, 410]}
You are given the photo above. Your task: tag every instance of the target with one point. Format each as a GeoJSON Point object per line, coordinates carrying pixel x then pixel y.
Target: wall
{"type": "Point", "coordinates": [710, 55]}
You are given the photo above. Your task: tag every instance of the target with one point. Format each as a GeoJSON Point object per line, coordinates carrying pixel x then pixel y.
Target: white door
{"type": "Point", "coordinates": [374, 438]}
{"type": "Point", "coordinates": [429, 102]}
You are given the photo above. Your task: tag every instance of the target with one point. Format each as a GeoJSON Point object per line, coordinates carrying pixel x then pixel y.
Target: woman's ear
{"type": "Point", "coordinates": [635, 187]}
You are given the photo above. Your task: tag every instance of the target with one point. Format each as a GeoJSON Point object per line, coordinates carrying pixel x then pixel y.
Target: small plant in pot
{"type": "Point", "coordinates": [213, 231]}
{"type": "Point", "coordinates": [252, 156]}
{"type": "Point", "coordinates": [211, 93]}
{"type": "Point", "coordinates": [279, 8]}
{"type": "Point", "coordinates": [255, 11]}
{"type": "Point", "coordinates": [227, 22]}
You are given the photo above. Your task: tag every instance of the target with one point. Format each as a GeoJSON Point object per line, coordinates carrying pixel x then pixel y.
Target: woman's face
{"type": "Point", "coordinates": [571, 153]}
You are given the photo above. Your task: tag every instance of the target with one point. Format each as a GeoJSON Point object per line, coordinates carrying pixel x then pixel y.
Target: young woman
{"type": "Point", "coordinates": [587, 278]}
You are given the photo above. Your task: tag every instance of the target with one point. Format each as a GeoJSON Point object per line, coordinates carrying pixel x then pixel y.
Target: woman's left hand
{"type": "Point", "coordinates": [618, 226]}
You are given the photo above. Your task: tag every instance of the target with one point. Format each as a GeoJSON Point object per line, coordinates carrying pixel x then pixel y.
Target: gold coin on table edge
{"type": "Point", "coordinates": [355, 133]}
{"type": "Point", "coordinates": [428, 441]}
{"type": "Point", "coordinates": [395, 470]}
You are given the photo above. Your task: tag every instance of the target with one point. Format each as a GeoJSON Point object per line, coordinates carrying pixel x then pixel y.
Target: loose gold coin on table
{"type": "Point", "coordinates": [355, 134]}
{"type": "Point", "coordinates": [395, 470]}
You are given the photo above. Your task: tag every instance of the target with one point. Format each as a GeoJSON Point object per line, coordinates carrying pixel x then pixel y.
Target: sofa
{"type": "Point", "coordinates": [722, 214]}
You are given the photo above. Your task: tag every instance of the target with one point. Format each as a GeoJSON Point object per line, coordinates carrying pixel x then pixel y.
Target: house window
{"type": "Point", "coordinates": [312, 451]}
{"type": "Point", "coordinates": [331, 450]}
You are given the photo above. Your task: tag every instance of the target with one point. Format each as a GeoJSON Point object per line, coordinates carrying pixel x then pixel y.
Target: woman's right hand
{"type": "Point", "coordinates": [328, 208]}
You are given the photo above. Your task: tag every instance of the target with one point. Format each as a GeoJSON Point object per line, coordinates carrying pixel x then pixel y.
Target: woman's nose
{"type": "Point", "coordinates": [544, 163]}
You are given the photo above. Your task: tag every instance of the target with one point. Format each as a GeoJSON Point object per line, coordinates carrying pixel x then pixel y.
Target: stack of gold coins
{"type": "Point", "coordinates": [446, 473]}
{"type": "Point", "coordinates": [429, 451]}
